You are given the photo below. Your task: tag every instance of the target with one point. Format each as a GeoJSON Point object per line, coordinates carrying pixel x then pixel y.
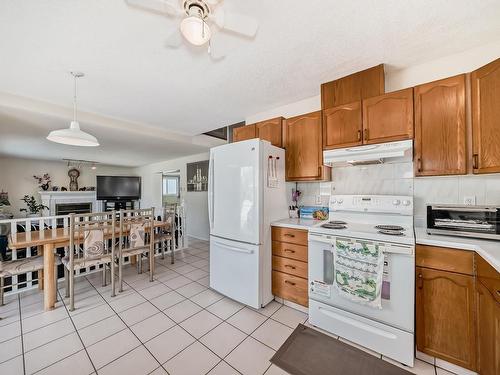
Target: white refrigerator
{"type": "Point", "coordinates": [246, 192]}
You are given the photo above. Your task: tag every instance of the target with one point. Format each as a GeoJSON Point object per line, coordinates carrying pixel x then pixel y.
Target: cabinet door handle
{"type": "Point", "coordinates": [365, 131]}
{"type": "Point", "coordinates": [289, 266]}
{"type": "Point", "coordinates": [359, 135]}
{"type": "Point", "coordinates": [289, 235]}
{"type": "Point", "coordinates": [475, 161]}
{"type": "Point", "coordinates": [320, 171]}
{"type": "Point", "coordinates": [289, 282]}
{"type": "Point", "coordinates": [498, 292]}
{"type": "Point", "coordinates": [419, 165]}
{"type": "Point", "coordinates": [420, 282]}
{"type": "Point", "coordinates": [289, 251]}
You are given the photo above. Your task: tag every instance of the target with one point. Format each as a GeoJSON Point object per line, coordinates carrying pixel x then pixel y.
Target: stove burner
{"type": "Point", "coordinates": [393, 228]}
{"type": "Point", "coordinates": [391, 232]}
{"type": "Point", "coordinates": [334, 226]}
{"type": "Point", "coordinates": [337, 222]}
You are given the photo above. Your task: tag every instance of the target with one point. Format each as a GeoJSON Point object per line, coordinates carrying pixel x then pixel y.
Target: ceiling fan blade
{"type": "Point", "coordinates": [216, 50]}
{"type": "Point", "coordinates": [236, 23]}
{"type": "Point", "coordinates": [174, 40]}
{"type": "Point", "coordinates": [162, 7]}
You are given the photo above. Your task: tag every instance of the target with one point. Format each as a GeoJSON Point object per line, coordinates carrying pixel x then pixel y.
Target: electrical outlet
{"type": "Point", "coordinates": [470, 200]}
{"type": "Point", "coordinates": [318, 199]}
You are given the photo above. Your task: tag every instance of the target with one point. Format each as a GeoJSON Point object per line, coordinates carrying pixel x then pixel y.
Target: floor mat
{"type": "Point", "coordinates": [310, 352]}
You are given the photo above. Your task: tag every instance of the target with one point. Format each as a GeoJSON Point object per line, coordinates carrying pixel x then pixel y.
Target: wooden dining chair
{"type": "Point", "coordinates": [167, 232]}
{"type": "Point", "coordinates": [136, 238]}
{"type": "Point", "coordinates": [91, 243]}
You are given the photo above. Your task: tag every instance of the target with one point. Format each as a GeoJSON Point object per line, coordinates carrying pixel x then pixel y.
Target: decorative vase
{"type": "Point", "coordinates": [45, 186]}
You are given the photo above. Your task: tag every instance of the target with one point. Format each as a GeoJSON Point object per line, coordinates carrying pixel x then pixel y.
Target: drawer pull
{"type": "Point", "coordinates": [289, 251]}
{"type": "Point", "coordinates": [289, 235]}
{"type": "Point", "coordinates": [293, 267]}
{"type": "Point", "coordinates": [289, 282]}
{"type": "Point", "coordinates": [420, 283]}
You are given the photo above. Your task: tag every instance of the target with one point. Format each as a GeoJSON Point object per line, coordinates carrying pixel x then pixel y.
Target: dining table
{"type": "Point", "coordinates": [47, 241]}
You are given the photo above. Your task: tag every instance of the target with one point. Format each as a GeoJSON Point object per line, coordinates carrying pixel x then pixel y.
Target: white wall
{"type": "Point", "coordinates": [196, 202]}
{"type": "Point", "coordinates": [398, 179]}
{"type": "Point", "coordinates": [16, 177]}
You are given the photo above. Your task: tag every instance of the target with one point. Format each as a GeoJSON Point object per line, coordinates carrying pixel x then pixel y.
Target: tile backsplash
{"type": "Point", "coordinates": [397, 179]}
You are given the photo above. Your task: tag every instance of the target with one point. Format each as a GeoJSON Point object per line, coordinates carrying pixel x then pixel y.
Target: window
{"type": "Point", "coordinates": [171, 186]}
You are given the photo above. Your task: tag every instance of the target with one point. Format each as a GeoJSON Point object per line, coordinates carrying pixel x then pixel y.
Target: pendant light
{"type": "Point", "coordinates": [73, 135]}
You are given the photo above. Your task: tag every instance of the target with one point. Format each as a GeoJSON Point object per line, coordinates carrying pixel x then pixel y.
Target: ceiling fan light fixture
{"type": "Point", "coordinates": [195, 30]}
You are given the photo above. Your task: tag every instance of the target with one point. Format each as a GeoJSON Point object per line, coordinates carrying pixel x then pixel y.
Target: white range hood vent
{"type": "Point", "coordinates": [392, 152]}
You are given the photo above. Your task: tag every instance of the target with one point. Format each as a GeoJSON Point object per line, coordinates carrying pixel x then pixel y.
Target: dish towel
{"type": "Point", "coordinates": [359, 268]}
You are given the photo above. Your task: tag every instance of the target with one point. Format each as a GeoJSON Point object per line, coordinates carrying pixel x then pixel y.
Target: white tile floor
{"type": "Point", "coordinates": [174, 325]}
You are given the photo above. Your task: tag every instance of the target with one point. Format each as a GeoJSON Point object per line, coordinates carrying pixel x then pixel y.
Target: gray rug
{"type": "Point", "coordinates": [310, 352]}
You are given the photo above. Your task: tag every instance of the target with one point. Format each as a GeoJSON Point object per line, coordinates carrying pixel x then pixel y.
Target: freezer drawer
{"type": "Point", "coordinates": [389, 341]}
{"type": "Point", "coordinates": [235, 271]}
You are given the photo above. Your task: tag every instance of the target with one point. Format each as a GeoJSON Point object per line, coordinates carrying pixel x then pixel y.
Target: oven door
{"type": "Point", "coordinates": [398, 299]}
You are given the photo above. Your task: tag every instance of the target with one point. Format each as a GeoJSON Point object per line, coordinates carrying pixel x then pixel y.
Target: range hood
{"type": "Point", "coordinates": [391, 152]}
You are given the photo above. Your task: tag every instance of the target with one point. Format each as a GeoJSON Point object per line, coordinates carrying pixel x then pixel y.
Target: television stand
{"type": "Point", "coordinates": [120, 205]}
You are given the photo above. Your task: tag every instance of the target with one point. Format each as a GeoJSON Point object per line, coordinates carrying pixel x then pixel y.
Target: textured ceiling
{"type": "Point", "coordinates": [130, 75]}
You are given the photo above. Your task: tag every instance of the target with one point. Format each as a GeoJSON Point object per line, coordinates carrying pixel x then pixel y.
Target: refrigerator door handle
{"type": "Point", "coordinates": [211, 191]}
{"type": "Point", "coordinates": [236, 249]}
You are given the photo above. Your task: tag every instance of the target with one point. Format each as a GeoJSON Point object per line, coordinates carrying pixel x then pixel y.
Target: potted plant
{"type": "Point", "coordinates": [33, 208]}
{"type": "Point", "coordinates": [43, 181]}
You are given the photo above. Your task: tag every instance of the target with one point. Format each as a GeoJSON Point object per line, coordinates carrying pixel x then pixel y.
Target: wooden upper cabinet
{"type": "Point", "coordinates": [342, 126]}
{"type": "Point", "coordinates": [445, 316]}
{"type": "Point", "coordinates": [244, 132]}
{"type": "Point", "coordinates": [486, 118]}
{"type": "Point", "coordinates": [303, 144]}
{"type": "Point", "coordinates": [388, 117]}
{"type": "Point", "coordinates": [271, 130]}
{"type": "Point", "coordinates": [440, 131]}
{"type": "Point", "coordinates": [354, 87]}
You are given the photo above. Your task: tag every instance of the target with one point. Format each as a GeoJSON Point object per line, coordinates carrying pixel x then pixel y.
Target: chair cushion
{"type": "Point", "coordinates": [134, 251]}
{"type": "Point", "coordinates": [83, 263]}
{"type": "Point", "coordinates": [137, 235]}
{"type": "Point", "coordinates": [20, 266]}
{"type": "Point", "coordinates": [93, 244]}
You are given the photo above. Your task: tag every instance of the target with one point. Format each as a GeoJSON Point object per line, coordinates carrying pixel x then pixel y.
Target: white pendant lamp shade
{"type": "Point", "coordinates": [73, 136]}
{"type": "Point", "coordinates": [195, 30]}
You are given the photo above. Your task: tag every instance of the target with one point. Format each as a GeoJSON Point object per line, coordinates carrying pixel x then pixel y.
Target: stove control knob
{"type": "Point", "coordinates": [340, 201]}
{"type": "Point", "coordinates": [406, 203]}
{"type": "Point", "coordinates": [396, 202]}
{"type": "Point", "coordinates": [334, 200]}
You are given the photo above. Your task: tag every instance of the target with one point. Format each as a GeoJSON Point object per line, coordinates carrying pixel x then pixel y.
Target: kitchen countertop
{"type": "Point", "coordinates": [487, 249]}
{"type": "Point", "coordinates": [300, 223]}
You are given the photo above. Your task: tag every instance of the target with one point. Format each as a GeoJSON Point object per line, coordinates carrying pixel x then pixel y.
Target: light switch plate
{"type": "Point", "coordinates": [318, 199]}
{"type": "Point", "coordinates": [470, 200]}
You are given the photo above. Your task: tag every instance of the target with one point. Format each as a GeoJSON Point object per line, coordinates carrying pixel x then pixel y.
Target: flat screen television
{"type": "Point", "coordinates": [118, 188]}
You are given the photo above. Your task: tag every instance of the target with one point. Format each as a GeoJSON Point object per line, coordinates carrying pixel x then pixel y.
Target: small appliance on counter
{"type": "Point", "coordinates": [466, 221]}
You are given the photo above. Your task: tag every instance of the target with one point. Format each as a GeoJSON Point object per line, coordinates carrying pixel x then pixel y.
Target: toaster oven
{"type": "Point", "coordinates": [467, 221]}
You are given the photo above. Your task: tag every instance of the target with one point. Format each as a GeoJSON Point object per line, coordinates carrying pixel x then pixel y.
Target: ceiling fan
{"type": "Point", "coordinates": [199, 20]}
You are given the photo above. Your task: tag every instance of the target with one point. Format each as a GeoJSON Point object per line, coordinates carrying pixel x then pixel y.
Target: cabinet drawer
{"type": "Point", "coordinates": [445, 259]}
{"type": "Point", "coordinates": [291, 288]}
{"type": "Point", "coordinates": [288, 250]}
{"type": "Point", "coordinates": [488, 276]}
{"type": "Point", "coordinates": [296, 236]}
{"type": "Point", "coordinates": [291, 266]}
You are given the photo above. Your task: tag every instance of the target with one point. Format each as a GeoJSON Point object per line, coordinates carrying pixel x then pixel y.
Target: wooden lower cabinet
{"type": "Point", "coordinates": [445, 316]}
{"type": "Point", "coordinates": [289, 264]}
{"type": "Point", "coordinates": [488, 329]}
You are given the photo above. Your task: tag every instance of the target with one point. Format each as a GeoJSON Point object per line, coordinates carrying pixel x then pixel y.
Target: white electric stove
{"type": "Point", "coordinates": [388, 222]}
